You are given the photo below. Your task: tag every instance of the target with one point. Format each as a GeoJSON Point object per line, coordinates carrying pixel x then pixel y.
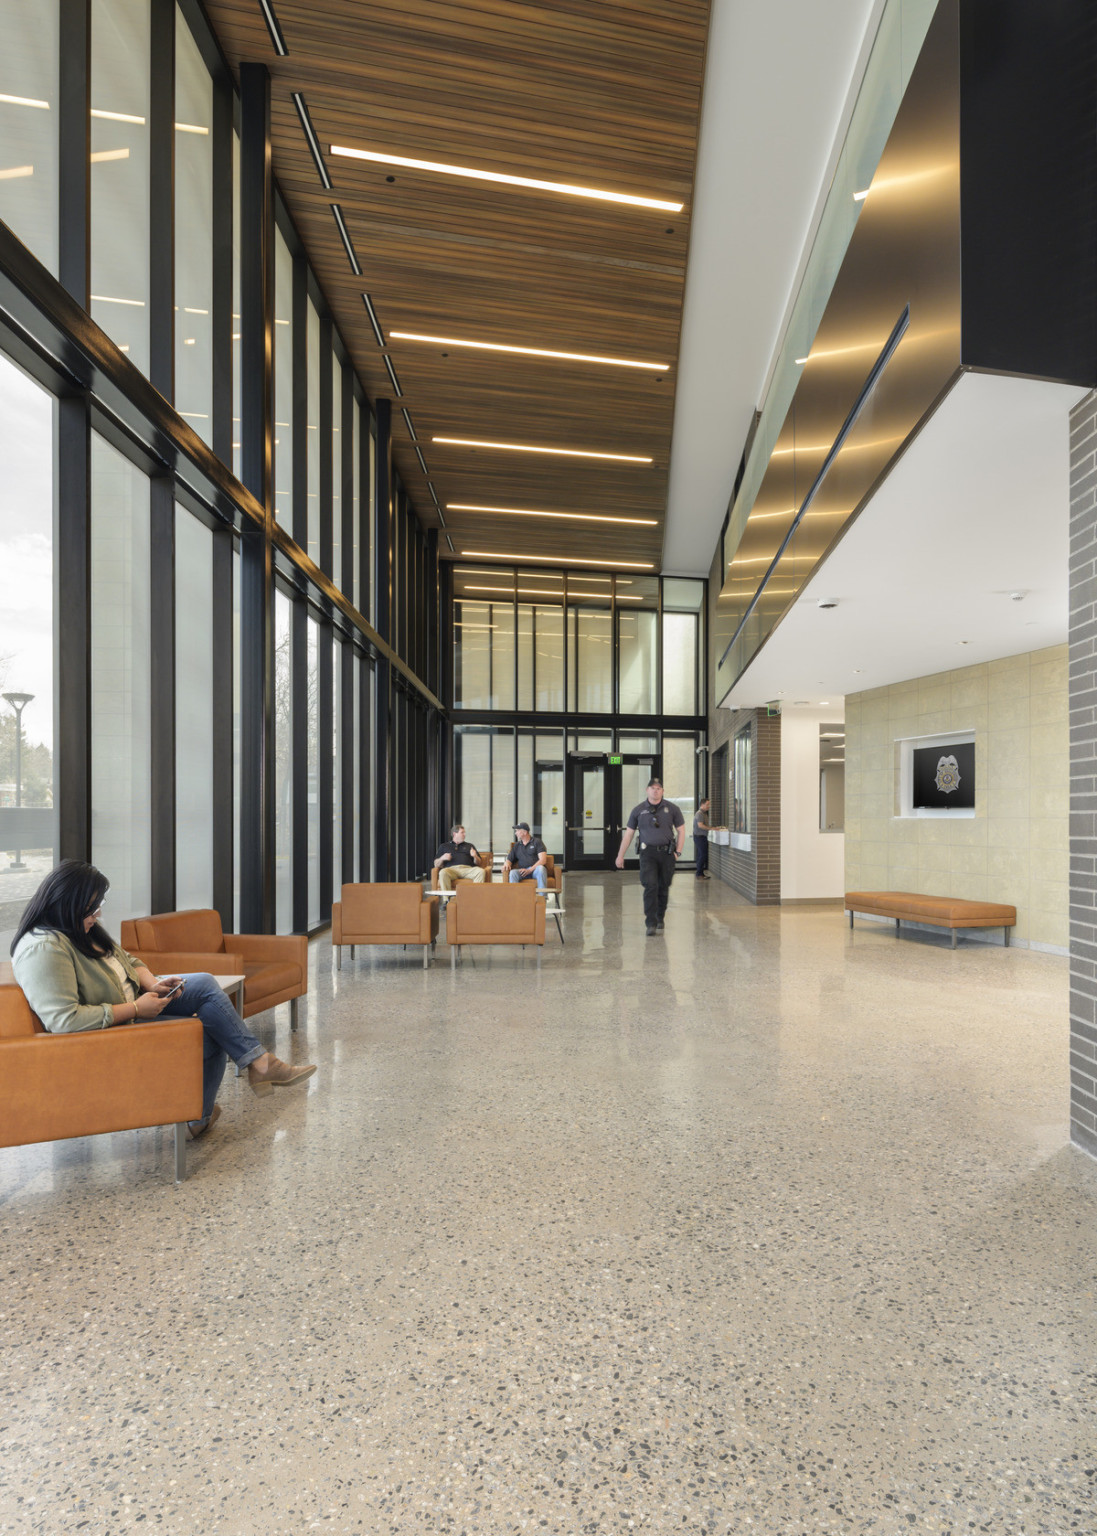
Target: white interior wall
{"type": "Point", "coordinates": [812, 862]}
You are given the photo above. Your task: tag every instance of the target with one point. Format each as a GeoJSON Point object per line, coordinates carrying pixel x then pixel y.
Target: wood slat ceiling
{"type": "Point", "coordinates": [602, 95]}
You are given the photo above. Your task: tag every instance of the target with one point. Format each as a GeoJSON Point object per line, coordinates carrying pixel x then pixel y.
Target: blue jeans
{"type": "Point", "coordinates": [538, 875]}
{"type": "Point", "coordinates": [223, 1032]}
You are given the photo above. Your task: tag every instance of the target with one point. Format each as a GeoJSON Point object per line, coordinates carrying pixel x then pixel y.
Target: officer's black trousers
{"type": "Point", "coordinates": [656, 873]}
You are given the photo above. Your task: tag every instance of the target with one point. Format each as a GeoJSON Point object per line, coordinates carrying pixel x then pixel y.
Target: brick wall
{"type": "Point", "coordinates": [1083, 774]}
{"type": "Point", "coordinates": [757, 874]}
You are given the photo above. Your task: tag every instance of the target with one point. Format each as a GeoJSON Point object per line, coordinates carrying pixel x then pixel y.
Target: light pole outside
{"type": "Point", "coordinates": [18, 702]}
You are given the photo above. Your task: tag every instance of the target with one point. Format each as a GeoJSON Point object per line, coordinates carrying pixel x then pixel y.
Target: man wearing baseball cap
{"type": "Point", "coordinates": [662, 829]}
{"type": "Point", "coordinates": [526, 859]}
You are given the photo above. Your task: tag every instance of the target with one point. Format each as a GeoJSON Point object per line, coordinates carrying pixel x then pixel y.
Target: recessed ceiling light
{"type": "Point", "coordinates": [509, 181]}
{"type": "Point", "coordinates": [569, 453]}
{"type": "Point", "coordinates": [496, 346]}
{"type": "Point", "coordinates": [488, 554]}
{"type": "Point", "coordinates": [585, 517]}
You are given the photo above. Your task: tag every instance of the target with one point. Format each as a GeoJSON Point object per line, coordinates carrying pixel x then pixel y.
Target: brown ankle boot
{"type": "Point", "coordinates": [277, 1074]}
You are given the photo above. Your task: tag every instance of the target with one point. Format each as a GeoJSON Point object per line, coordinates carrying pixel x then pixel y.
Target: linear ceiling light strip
{"type": "Point", "coordinates": [568, 453]}
{"type": "Point", "coordinates": [488, 554]}
{"type": "Point", "coordinates": [392, 375]}
{"type": "Point", "coordinates": [497, 346]}
{"type": "Point", "coordinates": [422, 461]}
{"type": "Point", "coordinates": [569, 190]}
{"type": "Point", "coordinates": [584, 517]}
{"type": "Point", "coordinates": [310, 136]}
{"type": "Point", "coordinates": [406, 414]}
{"type": "Point", "coordinates": [344, 235]}
{"type": "Point", "coordinates": [449, 541]}
{"type": "Point", "coordinates": [867, 388]}
{"type": "Point", "coordinates": [373, 320]}
{"type": "Point", "coordinates": [274, 28]}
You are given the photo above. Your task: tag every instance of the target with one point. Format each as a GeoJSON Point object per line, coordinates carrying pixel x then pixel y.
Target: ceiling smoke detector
{"type": "Point", "coordinates": [828, 602]}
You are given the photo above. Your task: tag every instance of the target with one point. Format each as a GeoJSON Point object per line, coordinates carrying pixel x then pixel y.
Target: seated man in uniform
{"type": "Point", "coordinates": [457, 860]}
{"type": "Point", "coordinates": [527, 858]}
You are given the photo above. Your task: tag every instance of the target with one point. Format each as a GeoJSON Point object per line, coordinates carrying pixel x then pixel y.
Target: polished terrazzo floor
{"type": "Point", "coordinates": [758, 1226]}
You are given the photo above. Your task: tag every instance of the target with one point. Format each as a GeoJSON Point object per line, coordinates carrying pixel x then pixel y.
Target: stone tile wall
{"type": "Point", "coordinates": [1015, 849]}
{"type": "Point", "coordinates": [1083, 774]}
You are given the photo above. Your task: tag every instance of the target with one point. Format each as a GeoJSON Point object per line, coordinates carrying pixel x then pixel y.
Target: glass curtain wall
{"type": "Point", "coordinates": [141, 529]}
{"type": "Point", "coordinates": [608, 665]}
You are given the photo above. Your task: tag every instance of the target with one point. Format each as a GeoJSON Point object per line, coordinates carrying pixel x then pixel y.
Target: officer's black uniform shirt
{"type": "Point", "coordinates": [459, 853]}
{"type": "Point", "coordinates": [656, 824]}
{"type": "Point", "coordinates": [525, 855]}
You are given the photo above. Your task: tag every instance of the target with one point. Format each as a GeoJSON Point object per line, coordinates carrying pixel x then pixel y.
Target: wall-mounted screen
{"type": "Point", "coordinates": [943, 777]}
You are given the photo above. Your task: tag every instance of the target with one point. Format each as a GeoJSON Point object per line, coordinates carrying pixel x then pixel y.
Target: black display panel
{"type": "Point", "coordinates": [944, 777]}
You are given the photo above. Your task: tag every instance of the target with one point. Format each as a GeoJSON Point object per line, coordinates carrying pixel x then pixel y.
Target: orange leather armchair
{"type": "Point", "coordinates": [275, 965]}
{"type": "Point", "coordinates": [56, 1086]}
{"type": "Point", "coordinates": [384, 914]}
{"type": "Point", "coordinates": [485, 861]}
{"type": "Point", "coordinates": [495, 914]}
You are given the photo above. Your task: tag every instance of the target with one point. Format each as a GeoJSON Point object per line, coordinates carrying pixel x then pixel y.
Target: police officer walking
{"type": "Point", "coordinates": [662, 829]}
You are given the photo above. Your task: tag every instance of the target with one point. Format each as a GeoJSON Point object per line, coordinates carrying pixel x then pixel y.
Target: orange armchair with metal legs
{"type": "Point", "coordinates": [379, 913]}
{"type": "Point", "coordinates": [56, 1086]}
{"type": "Point", "coordinates": [276, 965]}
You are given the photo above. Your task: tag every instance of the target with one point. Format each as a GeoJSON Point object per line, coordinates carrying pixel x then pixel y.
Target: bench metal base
{"type": "Point", "coordinates": [926, 922]}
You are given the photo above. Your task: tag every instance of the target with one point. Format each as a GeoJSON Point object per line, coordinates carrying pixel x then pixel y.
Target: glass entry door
{"type": "Point", "coordinates": [587, 825]}
{"type": "Point", "coordinates": [600, 795]}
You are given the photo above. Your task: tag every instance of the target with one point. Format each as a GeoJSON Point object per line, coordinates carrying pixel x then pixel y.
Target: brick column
{"type": "Point", "coordinates": [1083, 774]}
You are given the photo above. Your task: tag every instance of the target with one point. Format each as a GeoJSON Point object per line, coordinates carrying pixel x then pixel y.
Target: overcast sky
{"type": "Point", "coordinates": [26, 548]}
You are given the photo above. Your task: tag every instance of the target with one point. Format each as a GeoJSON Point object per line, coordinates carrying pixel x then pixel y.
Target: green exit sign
{"type": "Point", "coordinates": [615, 762]}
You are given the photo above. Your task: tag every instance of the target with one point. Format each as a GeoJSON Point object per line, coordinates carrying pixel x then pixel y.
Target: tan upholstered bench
{"type": "Point", "coordinates": [939, 911]}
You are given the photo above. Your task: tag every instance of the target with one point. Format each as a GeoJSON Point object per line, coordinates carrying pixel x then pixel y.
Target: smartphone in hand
{"type": "Point", "coordinates": [175, 991]}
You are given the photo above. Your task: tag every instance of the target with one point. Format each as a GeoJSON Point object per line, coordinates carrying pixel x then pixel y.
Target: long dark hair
{"type": "Point", "coordinates": [65, 898]}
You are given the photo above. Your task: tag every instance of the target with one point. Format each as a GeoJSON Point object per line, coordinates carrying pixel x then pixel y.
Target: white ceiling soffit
{"type": "Point", "coordinates": [777, 93]}
{"type": "Point", "coordinates": [976, 509]}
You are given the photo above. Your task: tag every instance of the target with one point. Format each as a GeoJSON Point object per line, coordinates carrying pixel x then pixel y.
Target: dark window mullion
{"type": "Point", "coordinates": [72, 628]}
{"type": "Point", "coordinates": [162, 199]}
{"type": "Point", "coordinates": [221, 319]}
{"type": "Point", "coordinates": [162, 690]}
{"type": "Point", "coordinates": [326, 761]}
{"type": "Point", "coordinates": [221, 703]}
{"type": "Point", "coordinates": [326, 487]}
{"type": "Point", "coordinates": [300, 405]}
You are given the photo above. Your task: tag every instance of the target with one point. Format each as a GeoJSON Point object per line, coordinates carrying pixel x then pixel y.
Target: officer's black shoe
{"type": "Point", "coordinates": [651, 931]}
{"type": "Point", "coordinates": [659, 926]}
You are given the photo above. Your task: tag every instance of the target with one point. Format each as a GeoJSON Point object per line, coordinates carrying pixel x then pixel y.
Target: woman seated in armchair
{"type": "Point", "coordinates": [75, 977]}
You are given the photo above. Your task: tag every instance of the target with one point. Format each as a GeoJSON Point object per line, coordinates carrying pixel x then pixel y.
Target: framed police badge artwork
{"type": "Point", "coordinates": [943, 777]}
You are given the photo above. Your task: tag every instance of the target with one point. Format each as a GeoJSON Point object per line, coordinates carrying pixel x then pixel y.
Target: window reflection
{"type": "Point", "coordinates": [28, 124]}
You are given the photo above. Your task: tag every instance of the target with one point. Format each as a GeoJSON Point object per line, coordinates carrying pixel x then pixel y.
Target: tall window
{"type": "Point", "coordinates": [27, 820]}
{"type": "Point", "coordinates": [313, 432]}
{"type": "Point", "coordinates": [193, 234]}
{"type": "Point", "coordinates": [120, 174]}
{"type": "Point", "coordinates": [283, 764]}
{"type": "Point", "coordinates": [28, 124]}
{"type": "Point", "coordinates": [121, 689]}
{"type": "Point", "coordinates": [194, 685]}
